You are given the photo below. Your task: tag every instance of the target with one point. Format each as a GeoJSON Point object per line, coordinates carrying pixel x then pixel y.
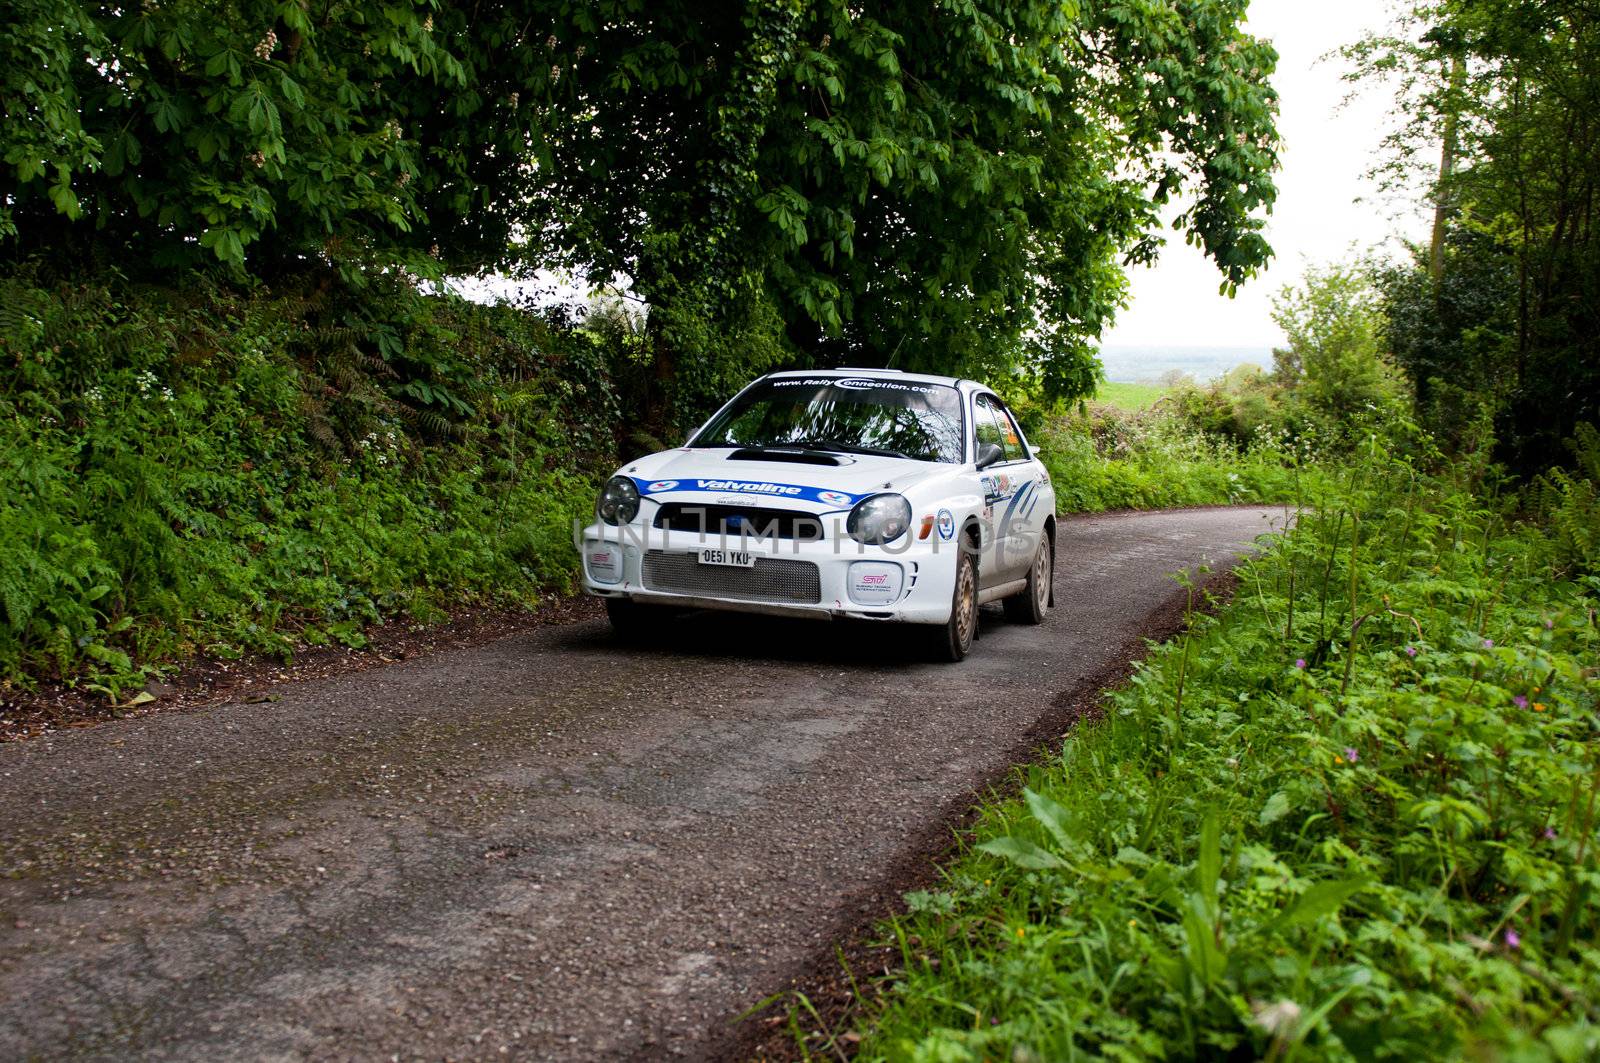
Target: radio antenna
{"type": "Point", "coordinates": [896, 352]}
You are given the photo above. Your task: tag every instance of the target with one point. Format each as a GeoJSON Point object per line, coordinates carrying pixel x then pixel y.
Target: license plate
{"type": "Point", "coordinates": [735, 558]}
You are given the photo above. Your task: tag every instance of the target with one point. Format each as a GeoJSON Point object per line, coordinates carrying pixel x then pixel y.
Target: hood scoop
{"type": "Point", "coordinates": [793, 457]}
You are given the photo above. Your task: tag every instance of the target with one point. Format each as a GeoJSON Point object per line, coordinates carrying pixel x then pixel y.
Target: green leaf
{"type": "Point", "coordinates": [1208, 869]}
{"type": "Point", "coordinates": [1053, 816]}
{"type": "Point", "coordinates": [1322, 899]}
{"type": "Point", "coordinates": [1276, 808]}
{"type": "Point", "coordinates": [1021, 852]}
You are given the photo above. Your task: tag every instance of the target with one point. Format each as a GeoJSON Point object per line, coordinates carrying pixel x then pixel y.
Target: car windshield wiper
{"type": "Point", "coordinates": [847, 448]}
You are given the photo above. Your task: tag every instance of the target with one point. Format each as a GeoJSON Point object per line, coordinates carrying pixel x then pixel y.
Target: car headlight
{"type": "Point", "coordinates": [879, 519]}
{"type": "Point", "coordinates": [619, 501]}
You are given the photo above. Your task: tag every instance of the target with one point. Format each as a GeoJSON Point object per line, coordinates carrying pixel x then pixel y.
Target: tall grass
{"type": "Point", "coordinates": [1351, 817]}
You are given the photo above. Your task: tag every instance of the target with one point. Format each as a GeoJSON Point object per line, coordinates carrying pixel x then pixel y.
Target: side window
{"type": "Point", "coordinates": [988, 429]}
{"type": "Point", "coordinates": [1012, 438]}
{"type": "Point", "coordinates": [996, 426]}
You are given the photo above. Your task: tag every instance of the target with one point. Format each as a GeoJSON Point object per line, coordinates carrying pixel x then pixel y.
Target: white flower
{"type": "Point", "coordinates": [1279, 1019]}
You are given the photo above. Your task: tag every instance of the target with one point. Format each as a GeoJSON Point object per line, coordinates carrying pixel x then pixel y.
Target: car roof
{"type": "Point", "coordinates": [896, 374]}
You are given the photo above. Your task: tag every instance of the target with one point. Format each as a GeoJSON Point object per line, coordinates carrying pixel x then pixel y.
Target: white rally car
{"type": "Point", "coordinates": [863, 493]}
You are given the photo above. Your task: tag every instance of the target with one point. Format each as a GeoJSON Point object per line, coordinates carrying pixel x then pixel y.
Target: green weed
{"type": "Point", "coordinates": [1351, 817]}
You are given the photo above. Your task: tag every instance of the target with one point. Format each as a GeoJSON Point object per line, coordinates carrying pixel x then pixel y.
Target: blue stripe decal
{"type": "Point", "coordinates": [1018, 497]}
{"type": "Point", "coordinates": [754, 488]}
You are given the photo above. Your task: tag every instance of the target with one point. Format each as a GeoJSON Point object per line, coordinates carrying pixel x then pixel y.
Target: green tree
{"type": "Point", "coordinates": [184, 132]}
{"type": "Point", "coordinates": [953, 186]}
{"type": "Point", "coordinates": [1334, 324]}
{"type": "Point", "coordinates": [1513, 309]}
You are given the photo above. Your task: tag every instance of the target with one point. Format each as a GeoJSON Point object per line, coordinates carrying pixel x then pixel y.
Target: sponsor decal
{"type": "Point", "coordinates": [858, 384]}
{"type": "Point", "coordinates": [600, 559]}
{"type": "Point", "coordinates": [947, 525]}
{"type": "Point", "coordinates": [750, 487]}
{"type": "Point", "coordinates": [740, 490]}
{"type": "Point", "coordinates": [874, 583]}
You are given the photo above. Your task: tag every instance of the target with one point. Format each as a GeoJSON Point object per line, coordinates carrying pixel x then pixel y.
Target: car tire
{"type": "Point", "coordinates": [631, 621]}
{"type": "Point", "coordinates": [954, 639]}
{"type": "Point", "coordinates": [1028, 605]}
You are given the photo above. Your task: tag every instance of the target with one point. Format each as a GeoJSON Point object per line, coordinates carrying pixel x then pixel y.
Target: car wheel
{"type": "Point", "coordinates": [631, 621]}
{"type": "Point", "coordinates": [1028, 605]}
{"type": "Point", "coordinates": [954, 640]}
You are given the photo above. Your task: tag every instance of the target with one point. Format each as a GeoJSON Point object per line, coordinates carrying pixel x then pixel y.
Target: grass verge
{"type": "Point", "coordinates": [1352, 817]}
{"type": "Point", "coordinates": [1130, 397]}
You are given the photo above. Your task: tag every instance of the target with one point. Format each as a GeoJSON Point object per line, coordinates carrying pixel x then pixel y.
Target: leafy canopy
{"type": "Point", "coordinates": [950, 185]}
{"type": "Point", "coordinates": [953, 185]}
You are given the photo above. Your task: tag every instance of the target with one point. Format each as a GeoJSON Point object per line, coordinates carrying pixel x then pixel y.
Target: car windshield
{"type": "Point", "coordinates": [852, 415]}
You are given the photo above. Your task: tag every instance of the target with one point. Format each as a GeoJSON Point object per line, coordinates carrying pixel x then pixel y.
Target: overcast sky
{"type": "Point", "coordinates": [1327, 150]}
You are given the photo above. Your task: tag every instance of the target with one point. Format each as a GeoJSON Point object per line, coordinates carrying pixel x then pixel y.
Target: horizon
{"type": "Point", "coordinates": [1137, 363]}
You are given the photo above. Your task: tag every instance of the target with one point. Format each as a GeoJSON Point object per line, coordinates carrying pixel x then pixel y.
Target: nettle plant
{"type": "Point", "coordinates": [1354, 816]}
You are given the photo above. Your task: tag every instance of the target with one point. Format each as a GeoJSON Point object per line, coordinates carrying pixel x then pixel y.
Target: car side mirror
{"type": "Point", "coordinates": [988, 454]}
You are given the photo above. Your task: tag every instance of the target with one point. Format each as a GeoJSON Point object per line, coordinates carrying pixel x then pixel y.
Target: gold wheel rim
{"type": "Point", "coordinates": [965, 596]}
{"type": "Point", "coordinates": [1041, 575]}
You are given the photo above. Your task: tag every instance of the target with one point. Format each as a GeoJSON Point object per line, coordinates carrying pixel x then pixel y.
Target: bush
{"type": "Point", "coordinates": [222, 472]}
{"type": "Point", "coordinates": [1103, 458]}
{"type": "Point", "coordinates": [1354, 816]}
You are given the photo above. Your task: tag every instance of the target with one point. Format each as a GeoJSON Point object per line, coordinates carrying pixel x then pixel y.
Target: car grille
{"type": "Point", "coordinates": [736, 520]}
{"type": "Point", "coordinates": [773, 579]}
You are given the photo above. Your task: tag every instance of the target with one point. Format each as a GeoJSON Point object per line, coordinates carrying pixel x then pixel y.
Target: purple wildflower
{"type": "Point", "coordinates": [1351, 755]}
{"type": "Point", "coordinates": [1488, 644]}
{"type": "Point", "coordinates": [1411, 651]}
{"type": "Point", "coordinates": [1300, 662]}
{"type": "Point", "coordinates": [1549, 624]}
{"type": "Point", "coordinates": [1549, 834]}
{"type": "Point", "coordinates": [1520, 702]}
{"type": "Point", "coordinates": [1513, 939]}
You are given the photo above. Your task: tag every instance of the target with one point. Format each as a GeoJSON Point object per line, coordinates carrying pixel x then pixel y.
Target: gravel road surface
{"type": "Point", "coordinates": [549, 846]}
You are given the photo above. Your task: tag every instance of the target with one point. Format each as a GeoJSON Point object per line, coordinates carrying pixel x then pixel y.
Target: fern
{"type": "Point", "coordinates": [1569, 502]}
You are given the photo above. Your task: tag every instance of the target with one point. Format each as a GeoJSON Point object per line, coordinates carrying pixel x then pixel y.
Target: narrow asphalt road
{"type": "Point", "coordinates": [550, 846]}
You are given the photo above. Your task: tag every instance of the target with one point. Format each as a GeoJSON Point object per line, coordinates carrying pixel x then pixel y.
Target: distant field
{"type": "Point", "coordinates": [1130, 396]}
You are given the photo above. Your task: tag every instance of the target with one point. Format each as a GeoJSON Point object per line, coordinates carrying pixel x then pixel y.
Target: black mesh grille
{"type": "Point", "coordinates": [733, 521]}
{"type": "Point", "coordinates": [773, 579]}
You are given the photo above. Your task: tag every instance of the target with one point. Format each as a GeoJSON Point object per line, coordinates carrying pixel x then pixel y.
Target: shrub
{"type": "Point", "coordinates": [220, 472]}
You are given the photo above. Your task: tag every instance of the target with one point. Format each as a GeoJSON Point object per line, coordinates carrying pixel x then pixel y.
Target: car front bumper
{"type": "Point", "coordinates": [909, 581]}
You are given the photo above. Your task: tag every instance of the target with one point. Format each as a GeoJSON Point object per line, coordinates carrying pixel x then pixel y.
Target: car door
{"type": "Point", "coordinates": [1012, 493]}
